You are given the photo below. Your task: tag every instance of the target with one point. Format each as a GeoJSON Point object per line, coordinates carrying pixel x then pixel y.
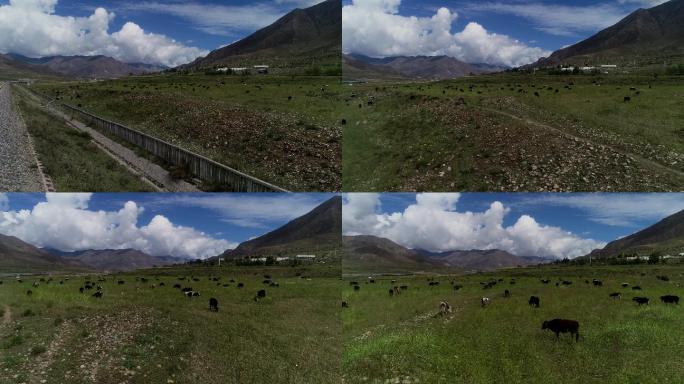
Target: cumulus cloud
{"type": "Point", "coordinates": [375, 28]}
{"type": "Point", "coordinates": [64, 222]}
{"type": "Point", "coordinates": [31, 28]}
{"type": "Point", "coordinates": [434, 224]}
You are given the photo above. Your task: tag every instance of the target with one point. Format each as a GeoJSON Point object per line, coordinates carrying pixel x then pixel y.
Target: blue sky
{"type": "Point", "coordinates": [210, 221]}
{"type": "Point", "coordinates": [527, 224]}
{"type": "Point", "coordinates": [169, 32]}
{"type": "Point", "coordinates": [543, 24]}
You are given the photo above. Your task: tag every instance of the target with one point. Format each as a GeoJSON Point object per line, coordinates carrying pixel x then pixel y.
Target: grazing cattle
{"type": "Point", "coordinates": [188, 294]}
{"type": "Point", "coordinates": [485, 301]}
{"type": "Point", "coordinates": [597, 283]}
{"type": "Point", "coordinates": [626, 99]}
{"type": "Point", "coordinates": [624, 285]}
{"type": "Point", "coordinates": [177, 286]}
{"type": "Point", "coordinates": [559, 326]}
{"type": "Point", "coordinates": [353, 283]}
{"type": "Point", "coordinates": [444, 308]}
{"type": "Point", "coordinates": [533, 301]}
{"type": "Point", "coordinates": [274, 284]}
{"type": "Point", "coordinates": [162, 284]}
{"type": "Point", "coordinates": [356, 287]}
{"type": "Point", "coordinates": [121, 282]}
{"type": "Point", "coordinates": [240, 285]}
{"type": "Point", "coordinates": [565, 282]}
{"type": "Point", "coordinates": [372, 281]}
{"type": "Point", "coordinates": [213, 304]}
{"type": "Point", "coordinates": [260, 295]}
{"type": "Point", "coordinates": [434, 283]}
{"type": "Point", "coordinates": [615, 295]}
{"type": "Point", "coordinates": [546, 281]}
{"type": "Point", "coordinates": [36, 284]}
{"type": "Point", "coordinates": [636, 288]}
{"type": "Point", "coordinates": [195, 294]}
{"type": "Point", "coordinates": [457, 287]}
{"type": "Point", "coordinates": [641, 300]}
{"type": "Point", "coordinates": [663, 278]}
{"type": "Point", "coordinates": [669, 299]}
{"type": "Point", "coordinates": [29, 292]}
{"type": "Point", "coordinates": [81, 289]}
{"type": "Point", "coordinates": [507, 293]}
{"type": "Point", "coordinates": [391, 292]}
{"type": "Point", "coordinates": [97, 295]}
{"type": "Point", "coordinates": [345, 304]}
{"type": "Point", "coordinates": [186, 289]}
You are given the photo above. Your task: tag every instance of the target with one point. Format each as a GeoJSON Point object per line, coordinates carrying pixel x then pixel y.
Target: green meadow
{"type": "Point", "coordinates": [516, 132]}
{"type": "Point", "coordinates": [282, 129]}
{"type": "Point", "coordinates": [143, 332]}
{"type": "Point", "coordinates": [404, 339]}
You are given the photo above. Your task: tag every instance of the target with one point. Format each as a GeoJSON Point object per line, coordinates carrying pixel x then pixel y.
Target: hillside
{"type": "Point", "coordinates": [17, 256]}
{"type": "Point", "coordinates": [11, 69]}
{"type": "Point", "coordinates": [643, 36]}
{"type": "Point", "coordinates": [317, 230]}
{"type": "Point", "coordinates": [666, 236]}
{"type": "Point", "coordinates": [302, 38]}
{"type": "Point", "coordinates": [485, 260]}
{"type": "Point", "coordinates": [362, 67]}
{"type": "Point", "coordinates": [116, 260]}
{"type": "Point", "coordinates": [370, 254]}
{"type": "Point", "coordinates": [87, 66]}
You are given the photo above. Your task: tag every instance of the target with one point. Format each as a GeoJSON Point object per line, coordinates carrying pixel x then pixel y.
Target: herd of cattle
{"type": "Point", "coordinates": [189, 292]}
{"type": "Point", "coordinates": [557, 326]}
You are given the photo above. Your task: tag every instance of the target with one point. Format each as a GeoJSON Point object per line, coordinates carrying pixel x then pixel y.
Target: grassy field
{"type": "Point", "coordinates": [71, 159]}
{"type": "Point", "coordinates": [516, 132]}
{"type": "Point", "coordinates": [402, 339]}
{"type": "Point", "coordinates": [283, 129]}
{"type": "Point", "coordinates": [142, 332]}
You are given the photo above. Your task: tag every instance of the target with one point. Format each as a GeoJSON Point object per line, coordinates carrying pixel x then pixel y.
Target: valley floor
{"type": "Point", "coordinates": [143, 332]}
{"type": "Point", "coordinates": [516, 133]}
{"type": "Point", "coordinates": [403, 338]}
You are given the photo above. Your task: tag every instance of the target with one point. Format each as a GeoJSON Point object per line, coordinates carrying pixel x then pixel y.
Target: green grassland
{"type": "Point", "coordinates": [282, 129]}
{"type": "Point", "coordinates": [71, 159]}
{"type": "Point", "coordinates": [402, 339]}
{"type": "Point", "coordinates": [492, 132]}
{"type": "Point", "coordinates": [142, 332]}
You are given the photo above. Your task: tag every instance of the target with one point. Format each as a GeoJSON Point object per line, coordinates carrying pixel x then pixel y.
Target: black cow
{"type": "Point", "coordinates": [624, 285]}
{"type": "Point", "coordinates": [177, 286]}
{"type": "Point", "coordinates": [636, 288]}
{"type": "Point", "coordinates": [97, 295]}
{"type": "Point", "coordinates": [670, 299]}
{"type": "Point", "coordinates": [213, 304]}
{"type": "Point", "coordinates": [29, 292]}
{"type": "Point", "coordinates": [627, 98]}
{"type": "Point", "coordinates": [641, 300]}
{"type": "Point", "coordinates": [240, 285]}
{"type": "Point", "coordinates": [391, 292]}
{"type": "Point", "coordinates": [356, 287]}
{"type": "Point", "coordinates": [615, 295]}
{"type": "Point", "coordinates": [546, 281]}
{"type": "Point", "coordinates": [507, 293]}
{"type": "Point", "coordinates": [597, 283]}
{"type": "Point", "coordinates": [81, 289]}
{"type": "Point", "coordinates": [260, 295]}
{"type": "Point", "coordinates": [534, 301]}
{"type": "Point", "coordinates": [121, 282]}
{"type": "Point", "coordinates": [559, 326]}
{"type": "Point", "coordinates": [345, 304]}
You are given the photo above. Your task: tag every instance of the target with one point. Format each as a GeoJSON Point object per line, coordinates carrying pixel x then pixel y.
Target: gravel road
{"type": "Point", "coordinates": [18, 168]}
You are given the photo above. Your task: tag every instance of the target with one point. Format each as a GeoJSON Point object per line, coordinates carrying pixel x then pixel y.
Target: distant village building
{"type": "Point", "coordinates": [222, 69]}
{"type": "Point", "coordinates": [261, 69]}
{"type": "Point", "coordinates": [239, 70]}
{"type": "Point", "coordinates": [568, 69]}
{"type": "Point", "coordinates": [609, 66]}
{"type": "Point", "coordinates": [306, 257]}
{"type": "Point", "coordinates": [280, 259]}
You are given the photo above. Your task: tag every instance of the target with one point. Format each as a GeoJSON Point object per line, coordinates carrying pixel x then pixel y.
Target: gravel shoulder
{"type": "Point", "coordinates": [19, 170]}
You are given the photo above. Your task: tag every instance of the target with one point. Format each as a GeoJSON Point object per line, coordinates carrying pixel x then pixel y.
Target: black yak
{"type": "Point", "coordinates": [670, 299]}
{"type": "Point", "coordinates": [636, 288]}
{"type": "Point", "coordinates": [559, 326]}
{"type": "Point", "coordinates": [345, 305]}
{"type": "Point", "coordinates": [213, 304]}
{"type": "Point", "coordinates": [507, 293]}
{"type": "Point", "coordinates": [533, 301]}
{"type": "Point", "coordinates": [641, 300]}
{"type": "Point", "coordinates": [615, 295]}
{"type": "Point", "coordinates": [356, 287]}
{"type": "Point", "coordinates": [29, 292]}
{"type": "Point", "coordinates": [485, 301]}
{"type": "Point", "coordinates": [260, 295]}
{"type": "Point", "coordinates": [444, 308]}
{"type": "Point", "coordinates": [97, 295]}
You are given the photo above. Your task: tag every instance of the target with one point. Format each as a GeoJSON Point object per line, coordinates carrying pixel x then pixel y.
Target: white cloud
{"type": "Point", "coordinates": [434, 224]}
{"type": "Point", "coordinates": [64, 222]}
{"type": "Point", "coordinates": [617, 209]}
{"type": "Point", "coordinates": [31, 28]}
{"type": "Point", "coordinates": [645, 3]}
{"type": "Point", "coordinates": [375, 28]}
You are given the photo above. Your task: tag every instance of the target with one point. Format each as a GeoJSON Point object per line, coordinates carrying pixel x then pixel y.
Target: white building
{"type": "Point", "coordinates": [262, 69]}
{"type": "Point", "coordinates": [306, 257]}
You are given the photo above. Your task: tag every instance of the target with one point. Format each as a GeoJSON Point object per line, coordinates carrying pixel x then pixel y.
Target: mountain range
{"type": "Point", "coordinates": [375, 254]}
{"type": "Point", "coordinates": [360, 67]}
{"type": "Point", "coordinates": [646, 36]}
{"type": "Point", "coordinates": [17, 256]}
{"type": "Point", "coordinates": [116, 260]}
{"type": "Point", "coordinates": [665, 236]}
{"type": "Point", "coordinates": [318, 230]}
{"type": "Point", "coordinates": [302, 38]}
{"type": "Point", "coordinates": [85, 66]}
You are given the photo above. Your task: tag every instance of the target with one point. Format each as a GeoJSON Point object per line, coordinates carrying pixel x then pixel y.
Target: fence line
{"type": "Point", "coordinates": [200, 166]}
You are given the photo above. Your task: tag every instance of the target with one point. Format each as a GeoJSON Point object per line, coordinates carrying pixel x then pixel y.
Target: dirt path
{"type": "Point", "coordinates": [569, 136]}
{"type": "Point", "coordinates": [19, 171]}
{"type": "Point", "coordinates": [151, 172]}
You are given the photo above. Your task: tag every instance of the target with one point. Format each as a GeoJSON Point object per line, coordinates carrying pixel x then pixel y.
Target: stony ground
{"type": "Point", "coordinates": [18, 166]}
